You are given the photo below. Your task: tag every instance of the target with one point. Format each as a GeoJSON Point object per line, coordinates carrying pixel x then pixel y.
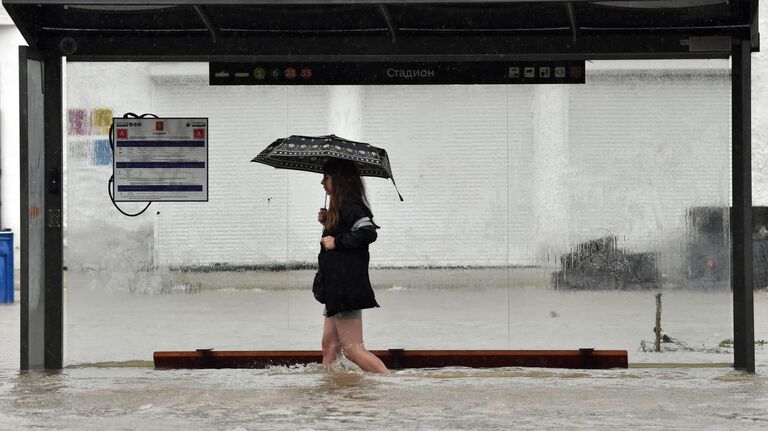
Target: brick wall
{"type": "Point", "coordinates": [641, 148]}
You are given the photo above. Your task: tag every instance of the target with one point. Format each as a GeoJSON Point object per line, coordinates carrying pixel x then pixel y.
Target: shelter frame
{"type": "Point", "coordinates": [397, 30]}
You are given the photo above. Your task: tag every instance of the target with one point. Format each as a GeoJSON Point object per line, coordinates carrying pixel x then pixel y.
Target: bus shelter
{"type": "Point", "coordinates": [351, 40]}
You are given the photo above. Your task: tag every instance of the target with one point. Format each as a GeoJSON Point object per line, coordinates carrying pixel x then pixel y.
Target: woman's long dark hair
{"type": "Point", "coordinates": [345, 179]}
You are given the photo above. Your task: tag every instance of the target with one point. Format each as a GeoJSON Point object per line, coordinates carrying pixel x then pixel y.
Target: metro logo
{"type": "Point", "coordinates": [200, 133]}
{"type": "Point", "coordinates": [122, 133]}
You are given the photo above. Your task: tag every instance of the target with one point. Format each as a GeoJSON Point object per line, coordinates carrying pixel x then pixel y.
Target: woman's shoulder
{"type": "Point", "coordinates": [353, 199]}
{"type": "Point", "coordinates": [355, 205]}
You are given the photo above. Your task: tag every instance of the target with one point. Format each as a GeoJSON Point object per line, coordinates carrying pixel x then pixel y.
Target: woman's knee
{"type": "Point", "coordinates": [353, 350]}
{"type": "Point", "coordinates": [330, 345]}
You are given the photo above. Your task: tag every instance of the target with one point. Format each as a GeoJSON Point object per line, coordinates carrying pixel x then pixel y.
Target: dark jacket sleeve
{"type": "Point", "coordinates": [362, 229]}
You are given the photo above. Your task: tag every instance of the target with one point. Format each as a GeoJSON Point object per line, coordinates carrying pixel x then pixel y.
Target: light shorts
{"type": "Point", "coordinates": [352, 314]}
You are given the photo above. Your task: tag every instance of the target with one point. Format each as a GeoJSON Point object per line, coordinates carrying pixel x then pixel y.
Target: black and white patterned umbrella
{"type": "Point", "coordinates": [309, 153]}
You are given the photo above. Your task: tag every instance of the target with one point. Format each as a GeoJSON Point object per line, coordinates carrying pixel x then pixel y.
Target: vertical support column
{"type": "Point", "coordinates": [741, 215]}
{"type": "Point", "coordinates": [31, 155]}
{"type": "Point", "coordinates": [54, 263]}
{"type": "Point", "coordinates": [42, 303]}
{"type": "Point", "coordinates": [551, 104]}
{"type": "Point", "coordinates": [345, 116]}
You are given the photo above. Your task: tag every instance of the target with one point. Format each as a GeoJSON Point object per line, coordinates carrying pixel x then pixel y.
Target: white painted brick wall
{"type": "Point", "coordinates": [642, 148]}
{"type": "Point", "coordinates": [645, 148]}
{"type": "Point", "coordinates": [255, 214]}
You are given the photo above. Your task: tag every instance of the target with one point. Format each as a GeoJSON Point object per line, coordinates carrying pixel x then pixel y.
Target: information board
{"type": "Point", "coordinates": [160, 159]}
{"type": "Point", "coordinates": [397, 73]}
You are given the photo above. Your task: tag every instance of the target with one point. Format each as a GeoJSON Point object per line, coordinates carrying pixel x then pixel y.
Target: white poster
{"type": "Point", "coordinates": [160, 159]}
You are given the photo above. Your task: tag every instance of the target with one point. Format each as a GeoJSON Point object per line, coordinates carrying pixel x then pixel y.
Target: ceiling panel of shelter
{"type": "Point", "coordinates": [356, 17]}
{"type": "Point", "coordinates": [228, 22]}
{"type": "Point", "coordinates": [614, 15]}
{"type": "Point", "coordinates": [476, 17]}
{"type": "Point", "coordinates": [162, 19]}
{"type": "Point", "coordinates": [297, 18]}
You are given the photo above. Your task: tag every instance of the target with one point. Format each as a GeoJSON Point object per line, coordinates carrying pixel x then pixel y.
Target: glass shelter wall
{"type": "Point", "coordinates": [535, 217]}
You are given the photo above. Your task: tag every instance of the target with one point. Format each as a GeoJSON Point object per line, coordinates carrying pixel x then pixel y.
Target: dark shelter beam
{"type": "Point", "coordinates": [200, 10]}
{"type": "Point", "coordinates": [390, 23]}
{"type": "Point", "coordinates": [311, 2]}
{"type": "Point", "coordinates": [572, 20]}
{"type": "Point", "coordinates": [651, 45]}
{"type": "Point", "coordinates": [741, 216]}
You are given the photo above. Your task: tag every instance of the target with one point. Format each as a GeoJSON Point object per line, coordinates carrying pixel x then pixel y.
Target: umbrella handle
{"type": "Point", "coordinates": [325, 202]}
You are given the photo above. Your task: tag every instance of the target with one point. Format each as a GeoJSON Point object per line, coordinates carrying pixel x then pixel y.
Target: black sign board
{"type": "Point", "coordinates": [396, 73]}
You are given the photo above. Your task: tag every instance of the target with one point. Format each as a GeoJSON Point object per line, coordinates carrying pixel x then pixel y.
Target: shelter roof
{"type": "Point", "coordinates": [88, 29]}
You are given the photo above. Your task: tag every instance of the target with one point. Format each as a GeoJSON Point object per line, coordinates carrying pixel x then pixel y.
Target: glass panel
{"type": "Point", "coordinates": [35, 146]}
{"type": "Point", "coordinates": [535, 217]}
{"type": "Point", "coordinates": [649, 160]}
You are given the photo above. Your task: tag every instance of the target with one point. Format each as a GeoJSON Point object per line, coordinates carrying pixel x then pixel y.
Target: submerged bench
{"type": "Point", "coordinates": [401, 358]}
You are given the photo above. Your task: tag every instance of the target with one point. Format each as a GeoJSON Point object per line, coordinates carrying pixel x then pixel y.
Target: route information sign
{"type": "Point", "coordinates": [160, 159]}
{"type": "Point", "coordinates": [397, 73]}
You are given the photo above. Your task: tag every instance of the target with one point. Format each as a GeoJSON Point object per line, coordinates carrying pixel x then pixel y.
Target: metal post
{"type": "Point", "coordinates": [54, 263]}
{"type": "Point", "coordinates": [741, 215]}
{"type": "Point", "coordinates": [657, 328]}
{"type": "Point", "coordinates": [42, 305]}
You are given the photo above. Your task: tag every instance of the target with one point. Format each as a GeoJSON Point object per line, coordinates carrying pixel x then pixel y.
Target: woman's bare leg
{"type": "Point", "coordinates": [350, 335]}
{"type": "Point", "coordinates": [330, 342]}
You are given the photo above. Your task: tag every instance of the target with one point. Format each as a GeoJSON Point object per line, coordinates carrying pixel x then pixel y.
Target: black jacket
{"type": "Point", "coordinates": [343, 272]}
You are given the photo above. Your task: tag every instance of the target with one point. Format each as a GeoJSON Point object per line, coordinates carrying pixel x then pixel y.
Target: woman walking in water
{"type": "Point", "coordinates": [342, 282]}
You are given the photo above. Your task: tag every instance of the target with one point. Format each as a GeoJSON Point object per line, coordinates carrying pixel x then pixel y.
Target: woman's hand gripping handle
{"type": "Point", "coordinates": [327, 242]}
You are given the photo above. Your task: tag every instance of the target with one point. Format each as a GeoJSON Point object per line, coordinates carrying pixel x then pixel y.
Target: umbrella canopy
{"type": "Point", "coordinates": [309, 153]}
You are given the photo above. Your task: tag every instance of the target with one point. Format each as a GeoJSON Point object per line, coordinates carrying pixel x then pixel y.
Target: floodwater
{"type": "Point", "coordinates": [310, 398]}
{"type": "Point", "coordinates": [109, 382]}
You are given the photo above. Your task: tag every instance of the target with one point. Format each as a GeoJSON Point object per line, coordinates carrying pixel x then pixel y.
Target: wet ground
{"type": "Point", "coordinates": [109, 382]}
{"type": "Point", "coordinates": [311, 398]}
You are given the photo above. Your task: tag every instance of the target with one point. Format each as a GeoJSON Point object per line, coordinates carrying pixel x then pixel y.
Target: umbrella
{"type": "Point", "coordinates": [309, 153]}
